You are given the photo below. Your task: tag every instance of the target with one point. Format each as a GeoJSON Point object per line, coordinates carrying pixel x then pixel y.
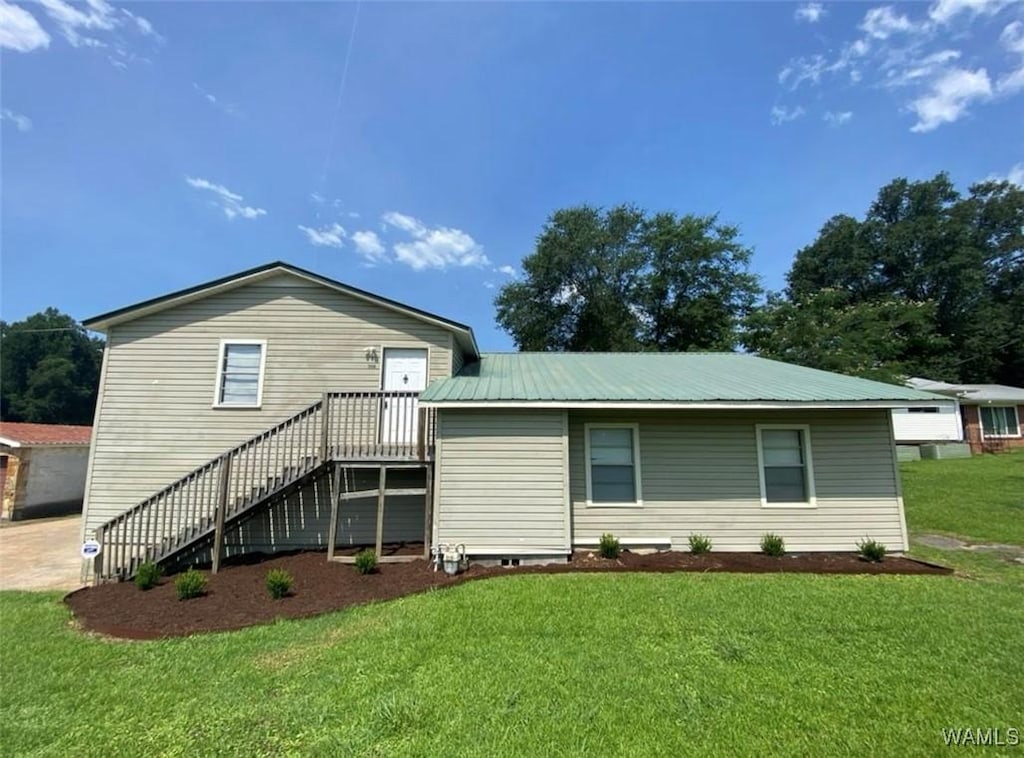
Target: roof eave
{"type": "Point", "coordinates": [683, 404]}
{"type": "Point", "coordinates": [103, 322]}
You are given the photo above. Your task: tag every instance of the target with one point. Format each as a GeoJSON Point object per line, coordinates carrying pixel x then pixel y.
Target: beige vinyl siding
{"type": "Point", "coordinates": [155, 421]}
{"type": "Point", "coordinates": [458, 361]}
{"type": "Point", "coordinates": [699, 473]}
{"type": "Point", "coordinates": [501, 482]}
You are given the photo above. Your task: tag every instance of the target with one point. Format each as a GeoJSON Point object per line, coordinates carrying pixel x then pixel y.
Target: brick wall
{"type": "Point", "coordinates": [981, 444]}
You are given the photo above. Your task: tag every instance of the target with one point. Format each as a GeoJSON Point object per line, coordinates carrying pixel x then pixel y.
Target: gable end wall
{"type": "Point", "coordinates": [155, 421]}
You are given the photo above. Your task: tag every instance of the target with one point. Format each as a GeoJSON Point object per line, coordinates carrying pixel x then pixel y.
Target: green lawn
{"type": "Point", "coordinates": [980, 497]}
{"type": "Point", "coordinates": [570, 664]}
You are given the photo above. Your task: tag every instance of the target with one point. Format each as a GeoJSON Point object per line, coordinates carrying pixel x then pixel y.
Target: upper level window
{"type": "Point", "coordinates": [240, 373]}
{"type": "Point", "coordinates": [612, 452]}
{"type": "Point", "coordinates": [1000, 421]}
{"type": "Point", "coordinates": [784, 455]}
{"type": "Point", "coordinates": [926, 409]}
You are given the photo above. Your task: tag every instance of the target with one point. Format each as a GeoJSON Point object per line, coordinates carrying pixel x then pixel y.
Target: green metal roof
{"type": "Point", "coordinates": [514, 378]}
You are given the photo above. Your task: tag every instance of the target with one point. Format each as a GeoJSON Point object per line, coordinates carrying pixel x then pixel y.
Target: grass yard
{"type": "Point", "coordinates": [980, 497]}
{"type": "Point", "coordinates": [723, 664]}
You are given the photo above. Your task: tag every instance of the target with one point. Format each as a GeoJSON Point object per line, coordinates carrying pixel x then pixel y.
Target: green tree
{"type": "Point", "coordinates": [620, 279]}
{"type": "Point", "coordinates": [825, 330]}
{"type": "Point", "coordinates": [923, 243]}
{"type": "Point", "coordinates": [49, 370]}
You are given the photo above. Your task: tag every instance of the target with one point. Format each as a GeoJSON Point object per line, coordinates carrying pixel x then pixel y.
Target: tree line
{"type": "Point", "coordinates": [930, 282]}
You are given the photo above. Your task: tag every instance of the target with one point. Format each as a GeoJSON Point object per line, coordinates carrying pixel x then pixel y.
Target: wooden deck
{"type": "Point", "coordinates": [379, 430]}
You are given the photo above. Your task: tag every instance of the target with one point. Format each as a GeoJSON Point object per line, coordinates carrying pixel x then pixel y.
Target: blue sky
{"type": "Point", "coordinates": [415, 150]}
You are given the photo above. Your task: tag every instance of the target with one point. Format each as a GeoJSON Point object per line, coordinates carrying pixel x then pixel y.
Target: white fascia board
{"type": "Point", "coordinates": [681, 406]}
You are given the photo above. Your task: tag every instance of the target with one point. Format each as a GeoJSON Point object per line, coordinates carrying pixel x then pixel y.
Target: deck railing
{"type": "Point", "coordinates": [341, 426]}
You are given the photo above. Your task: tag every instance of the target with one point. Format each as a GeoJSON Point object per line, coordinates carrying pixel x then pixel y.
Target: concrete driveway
{"type": "Point", "coordinates": [41, 555]}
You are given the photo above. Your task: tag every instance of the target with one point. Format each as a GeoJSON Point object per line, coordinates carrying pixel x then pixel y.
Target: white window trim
{"type": "Point", "coordinates": [986, 435]}
{"type": "Point", "coordinates": [639, 502]}
{"type": "Point", "coordinates": [805, 440]}
{"type": "Point", "coordinates": [220, 373]}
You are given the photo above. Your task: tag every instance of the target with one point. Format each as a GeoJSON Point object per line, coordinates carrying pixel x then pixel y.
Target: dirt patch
{"type": "Point", "coordinates": [237, 597]}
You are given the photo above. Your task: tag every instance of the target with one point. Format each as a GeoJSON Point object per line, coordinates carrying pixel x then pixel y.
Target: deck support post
{"type": "Point", "coordinates": [97, 562]}
{"type": "Point", "coordinates": [325, 426]}
{"type": "Point", "coordinates": [421, 436]}
{"type": "Point", "coordinates": [222, 505]}
{"type": "Point", "coordinates": [332, 530]}
{"type": "Point", "coordinates": [428, 511]}
{"type": "Point", "coordinates": [380, 509]}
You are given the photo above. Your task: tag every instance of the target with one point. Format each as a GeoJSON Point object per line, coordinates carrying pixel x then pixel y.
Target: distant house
{"type": "Point", "coordinates": [277, 409]}
{"type": "Point", "coordinates": [42, 469]}
{"type": "Point", "coordinates": [990, 414]}
{"type": "Point", "coordinates": [928, 424]}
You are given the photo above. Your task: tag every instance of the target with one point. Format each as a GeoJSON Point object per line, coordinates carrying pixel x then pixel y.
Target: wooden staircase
{"type": "Point", "coordinates": [341, 427]}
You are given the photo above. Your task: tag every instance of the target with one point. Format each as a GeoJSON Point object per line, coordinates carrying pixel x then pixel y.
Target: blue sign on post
{"type": "Point", "coordinates": [90, 549]}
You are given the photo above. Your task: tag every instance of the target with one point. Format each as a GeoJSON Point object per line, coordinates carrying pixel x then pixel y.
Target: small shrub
{"type": "Point", "coordinates": [190, 584]}
{"type": "Point", "coordinates": [773, 544]}
{"type": "Point", "coordinates": [279, 583]}
{"type": "Point", "coordinates": [609, 546]}
{"type": "Point", "coordinates": [700, 544]}
{"type": "Point", "coordinates": [147, 576]}
{"type": "Point", "coordinates": [870, 550]}
{"type": "Point", "coordinates": [366, 562]}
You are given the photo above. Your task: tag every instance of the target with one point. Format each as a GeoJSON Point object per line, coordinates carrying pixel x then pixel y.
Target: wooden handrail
{"type": "Point", "coordinates": [341, 425]}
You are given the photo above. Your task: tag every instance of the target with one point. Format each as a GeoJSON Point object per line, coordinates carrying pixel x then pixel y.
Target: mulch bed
{"type": "Point", "coordinates": [237, 597]}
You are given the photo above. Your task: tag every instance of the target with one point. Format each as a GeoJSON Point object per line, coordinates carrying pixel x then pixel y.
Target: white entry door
{"type": "Point", "coordinates": [405, 370]}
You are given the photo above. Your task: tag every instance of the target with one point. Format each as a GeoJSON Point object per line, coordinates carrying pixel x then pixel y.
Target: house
{"type": "Point", "coordinates": [277, 409]}
{"type": "Point", "coordinates": [42, 469]}
{"type": "Point", "coordinates": [928, 424]}
{"type": "Point", "coordinates": [991, 414]}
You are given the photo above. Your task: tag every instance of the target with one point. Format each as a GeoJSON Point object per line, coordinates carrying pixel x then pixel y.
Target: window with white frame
{"type": "Point", "coordinates": [784, 454]}
{"type": "Point", "coordinates": [1000, 421]}
{"type": "Point", "coordinates": [240, 373]}
{"type": "Point", "coordinates": [612, 464]}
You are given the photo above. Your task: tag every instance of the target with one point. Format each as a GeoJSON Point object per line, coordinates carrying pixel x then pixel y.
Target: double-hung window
{"type": "Point", "coordinates": [240, 374]}
{"type": "Point", "coordinates": [999, 421]}
{"type": "Point", "coordinates": [784, 455]}
{"type": "Point", "coordinates": [613, 468]}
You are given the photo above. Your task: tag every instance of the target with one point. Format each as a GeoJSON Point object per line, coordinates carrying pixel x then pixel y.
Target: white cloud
{"type": "Point", "coordinates": [317, 198]}
{"type": "Point", "coordinates": [949, 98]}
{"type": "Point", "coordinates": [490, 285]}
{"type": "Point", "coordinates": [1011, 83]}
{"type": "Point", "coordinates": [914, 71]}
{"type": "Point", "coordinates": [215, 101]}
{"type": "Point", "coordinates": [780, 114]}
{"type": "Point", "coordinates": [1015, 175]}
{"type": "Point", "coordinates": [507, 270]}
{"type": "Point", "coordinates": [83, 25]}
{"type": "Point", "coordinates": [883, 22]}
{"type": "Point", "coordinates": [918, 53]}
{"type": "Point", "coordinates": [332, 235]}
{"type": "Point", "coordinates": [812, 13]}
{"type": "Point", "coordinates": [232, 204]}
{"type": "Point", "coordinates": [99, 15]}
{"type": "Point", "coordinates": [19, 29]}
{"type": "Point", "coordinates": [800, 70]}
{"type": "Point", "coordinates": [837, 118]}
{"type": "Point", "coordinates": [22, 123]}
{"type": "Point", "coordinates": [369, 246]}
{"type": "Point", "coordinates": [142, 24]}
{"type": "Point", "coordinates": [943, 11]}
{"type": "Point", "coordinates": [433, 247]}
{"type": "Point", "coordinates": [1012, 37]}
